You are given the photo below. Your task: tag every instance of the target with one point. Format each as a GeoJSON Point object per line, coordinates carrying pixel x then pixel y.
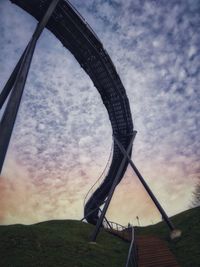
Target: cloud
{"type": "Point", "coordinates": [62, 137]}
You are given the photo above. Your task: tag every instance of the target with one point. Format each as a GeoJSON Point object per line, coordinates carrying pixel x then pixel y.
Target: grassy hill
{"type": "Point", "coordinates": [65, 243]}
{"type": "Point", "coordinates": [59, 243]}
{"type": "Point", "coordinates": [187, 248]}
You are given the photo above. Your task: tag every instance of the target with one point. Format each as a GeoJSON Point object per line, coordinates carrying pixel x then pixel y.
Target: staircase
{"type": "Point", "coordinates": [153, 252]}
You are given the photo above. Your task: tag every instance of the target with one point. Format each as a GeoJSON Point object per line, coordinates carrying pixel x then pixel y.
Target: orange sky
{"type": "Point", "coordinates": [24, 201]}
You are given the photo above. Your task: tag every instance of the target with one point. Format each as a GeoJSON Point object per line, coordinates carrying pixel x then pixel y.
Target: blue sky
{"type": "Point", "coordinates": [62, 138]}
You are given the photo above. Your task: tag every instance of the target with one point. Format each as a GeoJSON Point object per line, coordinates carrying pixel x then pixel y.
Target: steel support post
{"type": "Point", "coordinates": [9, 116]}
{"type": "Point", "coordinates": [108, 223]}
{"type": "Point", "coordinates": [154, 199]}
{"type": "Point", "coordinates": [97, 208]}
{"type": "Point", "coordinates": [115, 183]}
{"type": "Point", "coordinates": [9, 85]}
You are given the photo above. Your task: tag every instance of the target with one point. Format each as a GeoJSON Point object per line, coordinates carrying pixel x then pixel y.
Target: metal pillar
{"type": "Point", "coordinates": [159, 207]}
{"type": "Point", "coordinates": [97, 208]}
{"type": "Point", "coordinates": [9, 85]}
{"type": "Point", "coordinates": [115, 183]}
{"type": "Point", "coordinates": [17, 81]}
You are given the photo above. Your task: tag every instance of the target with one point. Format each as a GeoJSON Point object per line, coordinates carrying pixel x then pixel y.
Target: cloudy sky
{"type": "Point", "coordinates": [62, 137]}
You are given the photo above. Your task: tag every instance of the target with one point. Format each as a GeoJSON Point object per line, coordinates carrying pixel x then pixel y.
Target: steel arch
{"type": "Point", "coordinates": [78, 37]}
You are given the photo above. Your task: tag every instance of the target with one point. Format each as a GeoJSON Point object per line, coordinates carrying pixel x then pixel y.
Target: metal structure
{"type": "Point", "coordinates": [112, 189]}
{"type": "Point", "coordinates": [64, 21]}
{"type": "Point", "coordinates": [132, 253]}
{"type": "Point", "coordinates": [16, 84]}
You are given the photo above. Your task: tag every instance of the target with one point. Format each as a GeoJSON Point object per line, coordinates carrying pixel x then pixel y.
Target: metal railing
{"type": "Point", "coordinates": [113, 225]}
{"type": "Point", "coordinates": [116, 229]}
{"type": "Point", "coordinates": [132, 253]}
{"type": "Point", "coordinates": [100, 179]}
{"type": "Point", "coordinates": [122, 231]}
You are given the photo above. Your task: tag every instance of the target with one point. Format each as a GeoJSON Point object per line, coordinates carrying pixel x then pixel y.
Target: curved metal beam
{"type": "Point", "coordinates": [76, 35]}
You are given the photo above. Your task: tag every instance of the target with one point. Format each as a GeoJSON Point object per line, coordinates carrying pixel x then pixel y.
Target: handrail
{"type": "Point", "coordinates": [83, 20]}
{"type": "Point", "coordinates": [132, 253]}
{"type": "Point", "coordinates": [100, 179]}
{"type": "Point", "coordinates": [116, 226]}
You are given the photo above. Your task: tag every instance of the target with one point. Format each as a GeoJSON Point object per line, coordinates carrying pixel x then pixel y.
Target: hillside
{"type": "Point", "coordinates": [65, 243]}
{"type": "Point", "coordinates": [187, 248]}
{"type": "Point", "coordinates": [59, 243]}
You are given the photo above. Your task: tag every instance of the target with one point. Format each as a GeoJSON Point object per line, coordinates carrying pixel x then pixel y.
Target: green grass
{"type": "Point", "coordinates": [187, 248]}
{"type": "Point", "coordinates": [65, 243]}
{"type": "Point", "coordinates": [59, 243]}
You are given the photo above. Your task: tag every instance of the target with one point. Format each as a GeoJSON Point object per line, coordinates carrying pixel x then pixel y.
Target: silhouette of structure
{"type": "Point", "coordinates": [64, 21]}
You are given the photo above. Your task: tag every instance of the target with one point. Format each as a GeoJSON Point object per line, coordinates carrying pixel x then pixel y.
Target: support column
{"type": "Point", "coordinates": [9, 85]}
{"type": "Point", "coordinates": [10, 114]}
{"type": "Point", "coordinates": [115, 183]}
{"type": "Point", "coordinates": [159, 207]}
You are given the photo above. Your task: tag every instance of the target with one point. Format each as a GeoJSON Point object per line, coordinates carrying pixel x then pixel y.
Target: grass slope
{"type": "Point", "coordinates": [187, 248]}
{"type": "Point", "coordinates": [65, 243]}
{"type": "Point", "coordinates": [59, 243]}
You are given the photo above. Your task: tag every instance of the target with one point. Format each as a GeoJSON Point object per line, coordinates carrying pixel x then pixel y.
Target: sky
{"type": "Point", "coordinates": [63, 138]}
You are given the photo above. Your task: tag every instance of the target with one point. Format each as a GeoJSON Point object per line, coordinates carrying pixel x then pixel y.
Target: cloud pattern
{"type": "Point", "coordinates": [62, 137]}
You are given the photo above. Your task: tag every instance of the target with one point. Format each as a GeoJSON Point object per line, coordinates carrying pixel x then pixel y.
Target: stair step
{"type": "Point", "coordinates": [153, 252]}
